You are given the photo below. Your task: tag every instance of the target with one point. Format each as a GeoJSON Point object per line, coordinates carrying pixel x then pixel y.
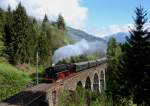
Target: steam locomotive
{"type": "Point", "coordinates": [61, 71]}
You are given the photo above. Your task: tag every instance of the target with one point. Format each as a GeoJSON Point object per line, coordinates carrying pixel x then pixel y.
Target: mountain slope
{"type": "Point", "coordinates": [120, 37]}
{"type": "Point", "coordinates": [77, 35]}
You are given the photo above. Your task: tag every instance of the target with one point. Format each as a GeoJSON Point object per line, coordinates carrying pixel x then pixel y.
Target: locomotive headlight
{"type": "Point", "coordinates": [53, 64]}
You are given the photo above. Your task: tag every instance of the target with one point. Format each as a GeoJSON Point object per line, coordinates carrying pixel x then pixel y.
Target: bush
{"type": "Point", "coordinates": [82, 97]}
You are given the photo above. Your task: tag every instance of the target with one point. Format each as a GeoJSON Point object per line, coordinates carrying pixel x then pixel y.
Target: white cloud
{"type": "Point", "coordinates": [112, 29]}
{"type": "Point", "coordinates": [73, 12]}
{"type": "Point", "coordinates": [4, 3]}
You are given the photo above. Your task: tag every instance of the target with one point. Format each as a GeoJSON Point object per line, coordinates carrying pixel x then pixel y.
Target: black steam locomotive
{"type": "Point", "coordinates": [57, 72]}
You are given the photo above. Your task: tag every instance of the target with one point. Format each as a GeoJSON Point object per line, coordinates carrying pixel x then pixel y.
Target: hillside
{"type": "Point", "coordinates": [120, 37]}
{"type": "Point", "coordinates": [82, 44]}
{"type": "Point", "coordinates": [77, 35]}
{"type": "Point", "coordinates": [11, 75]}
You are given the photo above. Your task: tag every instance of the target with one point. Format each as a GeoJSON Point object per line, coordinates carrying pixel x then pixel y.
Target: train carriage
{"type": "Point", "coordinates": [81, 66]}
{"type": "Point", "coordinates": [92, 63]}
{"type": "Point", "coordinates": [61, 71]}
{"type": "Point", "coordinates": [100, 61]}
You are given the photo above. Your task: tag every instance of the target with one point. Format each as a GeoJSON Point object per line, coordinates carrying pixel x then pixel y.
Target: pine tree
{"type": "Point", "coordinates": [111, 47]}
{"type": "Point", "coordinates": [114, 53]}
{"type": "Point", "coordinates": [110, 61]}
{"type": "Point", "coordinates": [146, 85]}
{"type": "Point", "coordinates": [61, 23]}
{"type": "Point", "coordinates": [8, 36]}
{"type": "Point", "coordinates": [135, 63]}
{"type": "Point", "coordinates": [44, 43]}
{"type": "Point", "coordinates": [32, 40]}
{"type": "Point", "coordinates": [45, 22]}
{"type": "Point", "coordinates": [2, 23]}
{"type": "Point", "coordinates": [20, 33]}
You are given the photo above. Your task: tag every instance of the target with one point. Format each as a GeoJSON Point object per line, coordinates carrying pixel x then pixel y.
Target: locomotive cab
{"type": "Point", "coordinates": [50, 74]}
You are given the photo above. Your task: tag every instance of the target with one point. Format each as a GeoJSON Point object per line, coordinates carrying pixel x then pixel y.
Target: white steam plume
{"type": "Point", "coordinates": [79, 48]}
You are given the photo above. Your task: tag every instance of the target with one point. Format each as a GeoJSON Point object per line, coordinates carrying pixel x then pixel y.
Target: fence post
{"type": "Point", "coordinates": [37, 79]}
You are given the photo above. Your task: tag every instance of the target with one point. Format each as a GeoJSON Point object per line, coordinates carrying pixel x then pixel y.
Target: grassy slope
{"type": "Point", "coordinates": [11, 75]}
{"type": "Point", "coordinates": [12, 80]}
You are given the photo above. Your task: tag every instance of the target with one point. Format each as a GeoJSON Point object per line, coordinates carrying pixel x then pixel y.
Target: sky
{"type": "Point", "coordinates": [110, 16]}
{"type": "Point", "coordinates": [98, 17]}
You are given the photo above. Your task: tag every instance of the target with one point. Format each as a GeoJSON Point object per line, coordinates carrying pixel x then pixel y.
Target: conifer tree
{"type": "Point", "coordinates": [8, 36]}
{"type": "Point", "coordinates": [61, 23]}
{"type": "Point", "coordinates": [146, 79]}
{"type": "Point", "coordinates": [20, 33]}
{"type": "Point", "coordinates": [114, 53]}
{"type": "Point", "coordinates": [110, 68]}
{"type": "Point", "coordinates": [44, 41]}
{"type": "Point", "coordinates": [32, 40]}
{"type": "Point", "coordinates": [45, 20]}
{"type": "Point", "coordinates": [2, 23]}
{"type": "Point", "coordinates": [135, 65]}
{"type": "Point", "coordinates": [45, 23]}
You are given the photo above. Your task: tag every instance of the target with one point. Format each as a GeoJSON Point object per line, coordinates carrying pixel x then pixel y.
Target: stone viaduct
{"type": "Point", "coordinates": [92, 79]}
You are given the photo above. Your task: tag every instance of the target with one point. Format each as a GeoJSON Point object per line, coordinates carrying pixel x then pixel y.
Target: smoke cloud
{"type": "Point", "coordinates": [79, 48]}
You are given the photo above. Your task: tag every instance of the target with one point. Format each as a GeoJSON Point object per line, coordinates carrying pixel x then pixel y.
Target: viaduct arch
{"type": "Point", "coordinates": [93, 79]}
{"type": "Point", "coordinates": [96, 83]}
{"type": "Point", "coordinates": [88, 83]}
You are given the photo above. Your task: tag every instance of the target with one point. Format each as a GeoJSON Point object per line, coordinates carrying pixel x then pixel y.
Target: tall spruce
{"type": "Point", "coordinates": [135, 63]}
{"type": "Point", "coordinates": [8, 36]}
{"type": "Point", "coordinates": [61, 23]}
{"type": "Point", "coordinates": [45, 21]}
{"type": "Point", "coordinates": [2, 23]}
{"type": "Point", "coordinates": [114, 53]}
{"type": "Point", "coordinates": [20, 33]}
{"type": "Point", "coordinates": [44, 43]}
{"type": "Point", "coordinates": [32, 40]}
{"type": "Point", "coordinates": [110, 61]}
